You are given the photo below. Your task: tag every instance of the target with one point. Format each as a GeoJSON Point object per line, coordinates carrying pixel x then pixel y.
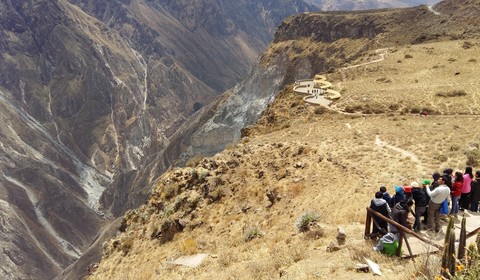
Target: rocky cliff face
{"type": "Point", "coordinates": [74, 115]}
{"type": "Point", "coordinates": [90, 91]}
{"type": "Point", "coordinates": [186, 59]}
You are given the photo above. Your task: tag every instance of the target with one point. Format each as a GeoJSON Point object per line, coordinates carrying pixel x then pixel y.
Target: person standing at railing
{"type": "Point", "coordinates": [475, 192]}
{"type": "Point", "coordinates": [380, 227]}
{"type": "Point", "coordinates": [456, 192]}
{"type": "Point", "coordinates": [437, 196]}
{"type": "Point", "coordinates": [420, 197]}
{"type": "Point", "coordinates": [467, 180]}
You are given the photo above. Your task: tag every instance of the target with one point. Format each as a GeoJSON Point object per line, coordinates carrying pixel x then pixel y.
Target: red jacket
{"type": "Point", "coordinates": [456, 189]}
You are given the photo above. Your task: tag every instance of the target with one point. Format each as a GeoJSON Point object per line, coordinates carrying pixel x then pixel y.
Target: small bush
{"type": "Point", "coordinates": [203, 175]}
{"type": "Point", "coordinates": [472, 60]}
{"type": "Point", "coordinates": [189, 246]}
{"type": "Point", "coordinates": [170, 191]}
{"type": "Point", "coordinates": [226, 258]}
{"type": "Point", "coordinates": [384, 80]}
{"type": "Point", "coordinates": [454, 147]}
{"type": "Point", "coordinates": [441, 158]}
{"type": "Point", "coordinates": [453, 93]}
{"type": "Point", "coordinates": [353, 109]}
{"type": "Point", "coordinates": [408, 56]}
{"type": "Point", "coordinates": [126, 245]}
{"type": "Point", "coordinates": [303, 222]}
{"type": "Point", "coordinates": [194, 161]}
{"type": "Point", "coordinates": [394, 107]}
{"type": "Point", "coordinates": [320, 110]}
{"type": "Point", "coordinates": [216, 194]}
{"type": "Point", "coordinates": [467, 45]}
{"type": "Point", "coordinates": [252, 233]}
{"type": "Point", "coordinates": [473, 157]}
{"type": "Point", "coordinates": [415, 110]}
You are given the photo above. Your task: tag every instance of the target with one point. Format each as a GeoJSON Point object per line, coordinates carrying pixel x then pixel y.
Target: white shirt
{"type": "Point", "coordinates": [439, 194]}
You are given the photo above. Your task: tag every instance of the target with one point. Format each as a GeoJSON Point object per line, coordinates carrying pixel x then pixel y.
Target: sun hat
{"type": "Point", "coordinates": [398, 189]}
{"type": "Point", "coordinates": [425, 182]}
{"type": "Point", "coordinates": [414, 184]}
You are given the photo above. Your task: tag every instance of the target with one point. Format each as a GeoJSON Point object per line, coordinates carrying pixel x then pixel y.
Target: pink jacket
{"type": "Point", "coordinates": [466, 183]}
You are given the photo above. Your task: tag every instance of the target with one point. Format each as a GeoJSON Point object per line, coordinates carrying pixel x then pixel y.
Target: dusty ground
{"type": "Point", "coordinates": [315, 160]}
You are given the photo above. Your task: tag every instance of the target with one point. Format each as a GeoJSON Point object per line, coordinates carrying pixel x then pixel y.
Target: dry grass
{"type": "Point", "coordinates": [429, 72]}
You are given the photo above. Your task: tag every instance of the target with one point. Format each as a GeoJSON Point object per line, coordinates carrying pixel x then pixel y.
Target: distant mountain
{"type": "Point", "coordinates": [349, 5]}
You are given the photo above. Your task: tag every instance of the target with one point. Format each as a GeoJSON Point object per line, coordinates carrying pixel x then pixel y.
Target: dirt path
{"type": "Point", "coordinates": [430, 8]}
{"type": "Point", "coordinates": [381, 57]}
{"type": "Point", "coordinates": [403, 152]}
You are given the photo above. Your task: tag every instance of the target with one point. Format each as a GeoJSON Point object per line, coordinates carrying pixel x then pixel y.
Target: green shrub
{"type": "Point", "coordinates": [203, 175]}
{"type": "Point", "coordinates": [302, 223]}
{"type": "Point", "coordinates": [469, 270]}
{"type": "Point", "coordinates": [252, 233]}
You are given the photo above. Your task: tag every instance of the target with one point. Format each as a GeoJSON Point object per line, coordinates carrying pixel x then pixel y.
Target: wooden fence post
{"type": "Point", "coordinates": [368, 223]}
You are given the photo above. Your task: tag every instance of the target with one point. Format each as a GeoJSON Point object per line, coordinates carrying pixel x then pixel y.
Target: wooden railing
{"type": "Point", "coordinates": [402, 230]}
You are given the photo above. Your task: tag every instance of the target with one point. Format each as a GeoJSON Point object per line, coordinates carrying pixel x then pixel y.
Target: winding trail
{"type": "Point", "coordinates": [382, 144]}
{"type": "Point", "coordinates": [381, 57]}
{"type": "Point", "coordinates": [430, 8]}
{"type": "Point", "coordinates": [405, 153]}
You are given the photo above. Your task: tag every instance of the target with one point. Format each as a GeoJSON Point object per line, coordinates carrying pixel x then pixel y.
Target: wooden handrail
{"type": "Point", "coordinates": [402, 228]}
{"type": "Point", "coordinates": [473, 232]}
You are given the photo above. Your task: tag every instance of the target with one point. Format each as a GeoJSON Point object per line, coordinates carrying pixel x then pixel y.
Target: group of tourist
{"type": "Point", "coordinates": [430, 198]}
